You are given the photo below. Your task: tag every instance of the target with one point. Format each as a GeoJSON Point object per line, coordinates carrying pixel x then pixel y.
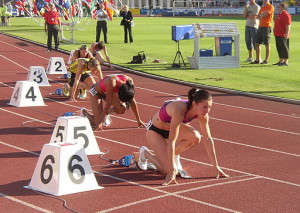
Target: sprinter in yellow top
{"type": "Point", "coordinates": [82, 70]}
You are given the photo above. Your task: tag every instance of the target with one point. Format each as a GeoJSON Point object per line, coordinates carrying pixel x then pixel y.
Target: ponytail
{"type": "Point", "coordinates": [198, 95]}
{"type": "Point", "coordinates": [126, 91]}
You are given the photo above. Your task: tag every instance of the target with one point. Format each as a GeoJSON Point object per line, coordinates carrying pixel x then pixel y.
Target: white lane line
{"type": "Point", "coordinates": [13, 62]}
{"type": "Point", "coordinates": [155, 91]}
{"type": "Point", "coordinates": [25, 50]}
{"type": "Point", "coordinates": [190, 160]}
{"type": "Point", "coordinates": [257, 147]}
{"type": "Point", "coordinates": [165, 193]}
{"type": "Point", "coordinates": [222, 120]}
{"type": "Point", "coordinates": [227, 121]}
{"type": "Point", "coordinates": [24, 203]}
{"type": "Point", "coordinates": [19, 148]}
{"type": "Point", "coordinates": [145, 186]}
{"type": "Point", "coordinates": [255, 126]}
{"type": "Point", "coordinates": [227, 141]}
{"type": "Point", "coordinates": [228, 105]}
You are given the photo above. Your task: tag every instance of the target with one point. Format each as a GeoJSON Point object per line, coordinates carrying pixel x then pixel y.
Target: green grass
{"type": "Point", "coordinates": [153, 35]}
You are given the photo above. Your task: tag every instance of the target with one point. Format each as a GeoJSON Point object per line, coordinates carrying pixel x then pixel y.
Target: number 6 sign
{"type": "Point", "coordinates": [63, 169]}
{"type": "Point", "coordinates": [75, 129]}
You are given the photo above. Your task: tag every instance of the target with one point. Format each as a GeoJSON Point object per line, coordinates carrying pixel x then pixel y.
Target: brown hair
{"type": "Point", "coordinates": [198, 95]}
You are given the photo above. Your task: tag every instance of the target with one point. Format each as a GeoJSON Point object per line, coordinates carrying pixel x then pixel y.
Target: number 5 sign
{"type": "Point", "coordinates": [75, 129]}
{"type": "Point", "coordinates": [63, 169]}
{"type": "Point", "coordinates": [56, 65]}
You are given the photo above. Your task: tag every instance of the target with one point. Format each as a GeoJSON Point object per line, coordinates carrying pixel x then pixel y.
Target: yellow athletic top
{"type": "Point", "coordinates": [73, 67]}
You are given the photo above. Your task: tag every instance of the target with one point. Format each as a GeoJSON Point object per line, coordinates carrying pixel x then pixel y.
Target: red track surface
{"type": "Point", "coordinates": [257, 143]}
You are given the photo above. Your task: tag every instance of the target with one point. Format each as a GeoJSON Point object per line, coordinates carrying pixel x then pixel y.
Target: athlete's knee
{"type": "Point", "coordinates": [119, 110]}
{"type": "Point", "coordinates": [196, 138]}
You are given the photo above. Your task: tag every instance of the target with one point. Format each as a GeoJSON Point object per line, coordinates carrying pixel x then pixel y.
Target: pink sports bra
{"type": "Point", "coordinates": [120, 79]}
{"type": "Point", "coordinates": [165, 117]}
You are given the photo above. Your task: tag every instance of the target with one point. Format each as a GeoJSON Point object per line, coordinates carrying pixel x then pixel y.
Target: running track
{"type": "Point", "coordinates": [257, 144]}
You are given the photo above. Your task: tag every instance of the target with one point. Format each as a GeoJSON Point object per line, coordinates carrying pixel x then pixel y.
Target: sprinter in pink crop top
{"type": "Point", "coordinates": [169, 134]}
{"type": "Point", "coordinates": [118, 93]}
{"type": "Point", "coordinates": [165, 117]}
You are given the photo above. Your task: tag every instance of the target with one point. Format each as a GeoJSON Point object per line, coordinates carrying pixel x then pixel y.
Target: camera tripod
{"type": "Point", "coordinates": [178, 57]}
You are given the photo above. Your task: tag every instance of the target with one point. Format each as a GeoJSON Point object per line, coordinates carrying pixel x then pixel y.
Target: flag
{"type": "Point", "coordinates": [110, 9]}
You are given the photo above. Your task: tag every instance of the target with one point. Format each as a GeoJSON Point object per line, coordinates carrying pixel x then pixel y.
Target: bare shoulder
{"type": "Point", "coordinates": [177, 107]}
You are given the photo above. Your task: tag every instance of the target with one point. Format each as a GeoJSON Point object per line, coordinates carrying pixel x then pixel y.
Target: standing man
{"type": "Point", "coordinates": [52, 24]}
{"type": "Point", "coordinates": [101, 18]}
{"type": "Point", "coordinates": [250, 13]}
{"type": "Point", "coordinates": [264, 31]}
{"type": "Point", "coordinates": [282, 29]}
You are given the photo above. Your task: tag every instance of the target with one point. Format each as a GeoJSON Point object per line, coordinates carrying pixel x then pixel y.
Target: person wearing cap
{"type": "Point", "coordinates": [101, 18]}
{"type": "Point", "coordinates": [96, 49]}
{"type": "Point", "coordinates": [52, 25]}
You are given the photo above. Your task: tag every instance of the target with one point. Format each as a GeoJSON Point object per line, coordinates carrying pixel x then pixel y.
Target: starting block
{"type": "Point", "coordinates": [63, 169]}
{"type": "Point", "coordinates": [56, 65]}
{"type": "Point", "coordinates": [38, 74]}
{"type": "Point", "coordinates": [25, 94]}
{"type": "Point", "coordinates": [75, 129]}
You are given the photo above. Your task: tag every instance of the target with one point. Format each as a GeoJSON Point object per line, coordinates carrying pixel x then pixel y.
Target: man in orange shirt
{"type": "Point", "coordinates": [265, 16]}
{"type": "Point", "coordinates": [52, 25]}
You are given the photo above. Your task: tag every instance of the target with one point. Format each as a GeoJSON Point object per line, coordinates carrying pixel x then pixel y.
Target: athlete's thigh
{"type": "Point", "coordinates": [117, 104]}
{"type": "Point", "coordinates": [187, 132]}
{"type": "Point", "coordinates": [89, 82]}
{"type": "Point", "coordinates": [159, 146]}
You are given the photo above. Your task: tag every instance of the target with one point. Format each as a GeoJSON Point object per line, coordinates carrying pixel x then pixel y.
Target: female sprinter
{"type": "Point", "coordinates": [96, 49]}
{"type": "Point", "coordinates": [169, 134]}
{"type": "Point", "coordinates": [81, 70]}
{"type": "Point", "coordinates": [118, 93]}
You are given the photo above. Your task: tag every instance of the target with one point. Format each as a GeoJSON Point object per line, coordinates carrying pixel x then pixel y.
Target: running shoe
{"type": "Point", "coordinates": [142, 162]}
{"type": "Point", "coordinates": [66, 92]}
{"type": "Point", "coordinates": [83, 112]}
{"type": "Point", "coordinates": [82, 94]}
{"type": "Point", "coordinates": [177, 162]}
{"type": "Point", "coordinates": [107, 120]}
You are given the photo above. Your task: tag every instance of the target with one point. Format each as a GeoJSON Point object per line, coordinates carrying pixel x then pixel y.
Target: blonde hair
{"type": "Point", "coordinates": [93, 62]}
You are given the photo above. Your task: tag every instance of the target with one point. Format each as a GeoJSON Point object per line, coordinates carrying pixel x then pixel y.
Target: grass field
{"type": "Point", "coordinates": [153, 35]}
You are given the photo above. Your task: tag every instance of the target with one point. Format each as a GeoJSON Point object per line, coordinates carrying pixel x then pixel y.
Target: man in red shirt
{"type": "Point", "coordinates": [52, 24]}
{"type": "Point", "coordinates": [282, 30]}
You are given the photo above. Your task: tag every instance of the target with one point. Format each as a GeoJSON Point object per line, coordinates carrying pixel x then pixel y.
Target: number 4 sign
{"type": "Point", "coordinates": [75, 129]}
{"type": "Point", "coordinates": [56, 65]}
{"type": "Point", "coordinates": [63, 169]}
{"type": "Point", "coordinates": [26, 94]}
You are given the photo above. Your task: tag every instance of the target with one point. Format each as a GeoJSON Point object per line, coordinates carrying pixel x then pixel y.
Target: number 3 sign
{"type": "Point", "coordinates": [75, 129]}
{"type": "Point", "coordinates": [63, 169]}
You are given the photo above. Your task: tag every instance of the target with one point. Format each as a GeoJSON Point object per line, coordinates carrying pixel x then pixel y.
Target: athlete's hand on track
{"type": "Point", "coordinates": [171, 177]}
{"type": "Point", "coordinates": [72, 99]}
{"type": "Point", "coordinates": [141, 124]}
{"type": "Point", "coordinates": [99, 127]}
{"type": "Point", "coordinates": [220, 173]}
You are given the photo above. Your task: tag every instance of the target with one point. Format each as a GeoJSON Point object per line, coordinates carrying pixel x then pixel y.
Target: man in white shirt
{"type": "Point", "coordinates": [250, 13]}
{"type": "Point", "coordinates": [101, 18]}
